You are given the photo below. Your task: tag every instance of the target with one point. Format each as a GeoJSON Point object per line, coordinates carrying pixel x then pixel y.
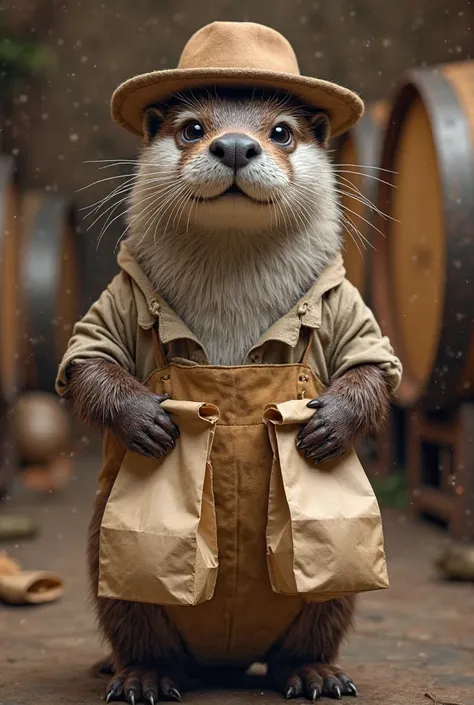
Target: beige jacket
{"type": "Point", "coordinates": [118, 326]}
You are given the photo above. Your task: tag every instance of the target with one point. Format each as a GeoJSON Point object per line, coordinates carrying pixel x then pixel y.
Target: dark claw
{"type": "Point", "coordinates": [298, 444]}
{"type": "Point", "coordinates": [151, 699]}
{"type": "Point", "coordinates": [314, 403]}
{"type": "Point", "coordinates": [351, 688]}
{"type": "Point", "coordinates": [290, 693]}
{"type": "Point", "coordinates": [112, 693]}
{"type": "Point", "coordinates": [337, 692]}
{"type": "Point", "coordinates": [131, 697]}
{"type": "Point", "coordinates": [175, 695]}
{"type": "Point", "coordinates": [314, 694]}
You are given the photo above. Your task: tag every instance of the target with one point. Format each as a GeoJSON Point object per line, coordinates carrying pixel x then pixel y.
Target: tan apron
{"type": "Point", "coordinates": [224, 531]}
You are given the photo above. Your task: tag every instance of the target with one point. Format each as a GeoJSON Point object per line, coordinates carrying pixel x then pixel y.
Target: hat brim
{"type": "Point", "coordinates": [131, 99]}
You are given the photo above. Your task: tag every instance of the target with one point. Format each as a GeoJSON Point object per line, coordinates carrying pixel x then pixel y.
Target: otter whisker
{"type": "Point", "coordinates": [347, 183]}
{"type": "Point", "coordinates": [123, 200]}
{"type": "Point", "coordinates": [371, 225]}
{"type": "Point", "coordinates": [365, 176]}
{"type": "Point", "coordinates": [147, 185]}
{"type": "Point", "coordinates": [108, 163]}
{"type": "Point", "coordinates": [366, 200]}
{"type": "Point", "coordinates": [160, 203]}
{"type": "Point", "coordinates": [95, 207]}
{"type": "Point", "coordinates": [349, 210]}
{"type": "Point", "coordinates": [111, 208]}
{"type": "Point", "coordinates": [274, 215]}
{"type": "Point", "coordinates": [302, 204]}
{"type": "Point", "coordinates": [179, 211]}
{"type": "Point", "coordinates": [194, 203]}
{"type": "Point", "coordinates": [161, 206]}
{"type": "Point", "coordinates": [353, 230]}
{"type": "Point", "coordinates": [365, 166]}
{"type": "Point", "coordinates": [155, 199]}
{"type": "Point", "coordinates": [101, 181]}
{"type": "Point", "coordinates": [299, 217]}
{"type": "Point", "coordinates": [284, 210]}
{"type": "Point", "coordinates": [107, 225]}
{"type": "Point", "coordinates": [176, 203]}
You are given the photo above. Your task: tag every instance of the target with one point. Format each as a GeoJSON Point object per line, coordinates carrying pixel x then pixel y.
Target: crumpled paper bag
{"type": "Point", "coordinates": [324, 531]}
{"type": "Point", "coordinates": [158, 537]}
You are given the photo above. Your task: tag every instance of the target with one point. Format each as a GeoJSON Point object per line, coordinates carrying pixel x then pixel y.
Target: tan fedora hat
{"type": "Point", "coordinates": [240, 54]}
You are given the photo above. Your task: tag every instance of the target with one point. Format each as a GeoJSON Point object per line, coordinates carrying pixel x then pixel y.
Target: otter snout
{"type": "Point", "coordinates": [235, 149]}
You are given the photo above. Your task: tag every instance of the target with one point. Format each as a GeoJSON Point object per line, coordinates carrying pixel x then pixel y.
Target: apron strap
{"type": "Point", "coordinates": [307, 352]}
{"type": "Point", "coordinates": [158, 352]}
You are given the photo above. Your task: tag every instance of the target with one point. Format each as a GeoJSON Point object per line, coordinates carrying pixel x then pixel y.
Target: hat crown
{"type": "Point", "coordinates": [239, 45]}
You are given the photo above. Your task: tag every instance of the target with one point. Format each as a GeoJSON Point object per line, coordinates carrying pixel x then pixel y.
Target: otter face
{"type": "Point", "coordinates": [233, 160]}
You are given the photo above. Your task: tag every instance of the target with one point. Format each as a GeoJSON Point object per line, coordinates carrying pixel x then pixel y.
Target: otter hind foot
{"type": "Point", "coordinates": [143, 685]}
{"type": "Point", "coordinates": [313, 681]}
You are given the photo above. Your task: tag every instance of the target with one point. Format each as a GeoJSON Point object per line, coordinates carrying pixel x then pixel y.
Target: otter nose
{"type": "Point", "coordinates": [235, 149]}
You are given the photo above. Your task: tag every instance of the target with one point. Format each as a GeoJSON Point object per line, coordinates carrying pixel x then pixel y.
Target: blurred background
{"type": "Point", "coordinates": [406, 175]}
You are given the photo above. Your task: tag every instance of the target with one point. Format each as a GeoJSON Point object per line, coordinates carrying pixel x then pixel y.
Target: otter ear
{"type": "Point", "coordinates": [152, 121]}
{"type": "Point", "coordinates": [321, 128]}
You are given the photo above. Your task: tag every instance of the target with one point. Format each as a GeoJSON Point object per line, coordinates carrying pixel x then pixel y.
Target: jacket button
{"type": "Point", "coordinates": [154, 307]}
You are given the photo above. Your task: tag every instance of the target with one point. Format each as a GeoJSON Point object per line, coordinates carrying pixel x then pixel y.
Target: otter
{"type": "Point", "coordinates": [233, 216]}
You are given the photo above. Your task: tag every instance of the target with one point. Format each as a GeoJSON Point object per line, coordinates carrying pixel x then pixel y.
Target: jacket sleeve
{"type": "Point", "coordinates": [356, 336]}
{"type": "Point", "coordinates": [108, 330]}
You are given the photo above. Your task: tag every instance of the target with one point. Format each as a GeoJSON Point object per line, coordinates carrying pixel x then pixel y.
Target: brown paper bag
{"type": "Point", "coordinates": [158, 537]}
{"type": "Point", "coordinates": [324, 531]}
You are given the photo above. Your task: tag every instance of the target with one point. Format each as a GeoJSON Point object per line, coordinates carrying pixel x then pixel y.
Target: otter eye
{"type": "Point", "coordinates": [192, 132]}
{"type": "Point", "coordinates": [281, 134]}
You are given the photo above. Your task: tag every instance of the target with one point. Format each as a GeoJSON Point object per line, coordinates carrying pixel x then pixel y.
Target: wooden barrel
{"type": "Point", "coordinates": [357, 155]}
{"type": "Point", "coordinates": [10, 309]}
{"type": "Point", "coordinates": [51, 279]}
{"type": "Point", "coordinates": [423, 294]}
{"type": "Point", "coordinates": [10, 313]}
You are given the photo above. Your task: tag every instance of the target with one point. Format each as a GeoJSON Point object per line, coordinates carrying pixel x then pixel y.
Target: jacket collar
{"type": "Point", "coordinates": [151, 306]}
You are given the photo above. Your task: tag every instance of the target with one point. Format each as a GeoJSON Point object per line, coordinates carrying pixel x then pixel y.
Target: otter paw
{"type": "Point", "coordinates": [135, 684]}
{"type": "Point", "coordinates": [315, 680]}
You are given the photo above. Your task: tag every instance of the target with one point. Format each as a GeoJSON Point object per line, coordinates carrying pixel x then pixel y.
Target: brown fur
{"type": "Point", "coordinates": [365, 392]}
{"type": "Point", "coordinates": [167, 119]}
{"type": "Point", "coordinates": [99, 390]}
{"type": "Point", "coordinates": [106, 395]}
{"type": "Point", "coordinates": [356, 404]}
{"type": "Point", "coordinates": [317, 633]}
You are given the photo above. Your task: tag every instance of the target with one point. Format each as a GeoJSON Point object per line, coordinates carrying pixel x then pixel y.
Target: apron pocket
{"type": "Point", "coordinates": [158, 537]}
{"type": "Point", "coordinates": [324, 529]}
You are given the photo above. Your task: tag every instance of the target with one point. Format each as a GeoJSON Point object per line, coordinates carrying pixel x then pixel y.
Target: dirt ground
{"type": "Point", "coordinates": [413, 639]}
